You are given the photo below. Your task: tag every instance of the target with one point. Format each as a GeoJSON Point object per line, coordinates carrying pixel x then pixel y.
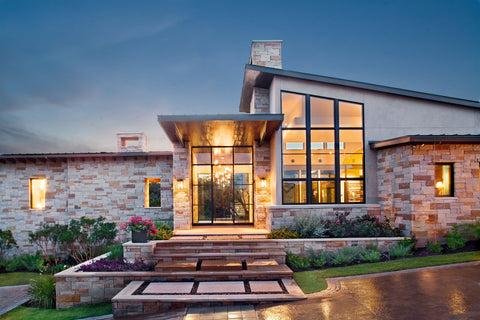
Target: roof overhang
{"type": "Point", "coordinates": [260, 76]}
{"type": "Point", "coordinates": [220, 129]}
{"type": "Point", "coordinates": [425, 139]}
{"type": "Point", "coordinates": [62, 156]}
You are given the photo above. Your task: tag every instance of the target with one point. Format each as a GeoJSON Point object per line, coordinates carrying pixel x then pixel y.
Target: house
{"type": "Point", "coordinates": [301, 144]}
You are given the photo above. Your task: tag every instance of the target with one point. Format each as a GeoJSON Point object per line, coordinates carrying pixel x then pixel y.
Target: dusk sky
{"type": "Point", "coordinates": [75, 73]}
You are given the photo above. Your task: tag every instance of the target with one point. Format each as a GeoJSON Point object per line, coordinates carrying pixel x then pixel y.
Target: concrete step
{"type": "Point", "coordinates": [279, 256]}
{"type": "Point", "coordinates": [151, 297]}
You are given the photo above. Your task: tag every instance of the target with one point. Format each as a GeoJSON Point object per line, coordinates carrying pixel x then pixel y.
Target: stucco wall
{"type": "Point", "coordinates": [113, 187]}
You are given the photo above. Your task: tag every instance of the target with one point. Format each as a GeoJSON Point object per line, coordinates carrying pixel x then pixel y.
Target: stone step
{"type": "Point", "coordinates": [152, 297]}
{"type": "Point", "coordinates": [220, 243]}
{"type": "Point", "coordinates": [279, 256]}
{"type": "Point", "coordinates": [178, 248]}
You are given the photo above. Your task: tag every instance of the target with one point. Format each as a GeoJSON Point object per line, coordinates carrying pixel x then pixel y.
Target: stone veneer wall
{"type": "Point", "coordinates": [283, 216]}
{"type": "Point", "coordinates": [261, 100]}
{"type": "Point", "coordinates": [262, 195]}
{"type": "Point", "coordinates": [182, 203]}
{"type": "Point", "coordinates": [112, 187]}
{"type": "Point", "coordinates": [406, 187]}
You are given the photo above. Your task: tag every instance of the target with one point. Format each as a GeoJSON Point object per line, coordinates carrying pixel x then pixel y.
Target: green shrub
{"type": "Point", "coordinates": [364, 226]}
{"type": "Point", "coordinates": [399, 251]}
{"type": "Point", "coordinates": [309, 226]}
{"type": "Point", "coordinates": [7, 243]}
{"type": "Point", "coordinates": [434, 247]}
{"type": "Point", "coordinates": [472, 230]}
{"type": "Point", "coordinates": [164, 231]}
{"type": "Point", "coordinates": [25, 262]}
{"type": "Point", "coordinates": [455, 240]}
{"type": "Point", "coordinates": [370, 255]}
{"type": "Point", "coordinates": [284, 233]}
{"type": "Point", "coordinates": [346, 255]}
{"type": "Point", "coordinates": [319, 260]}
{"type": "Point", "coordinates": [116, 252]}
{"type": "Point", "coordinates": [409, 242]}
{"type": "Point", "coordinates": [48, 238]}
{"type": "Point", "coordinates": [42, 291]}
{"type": "Point", "coordinates": [298, 263]}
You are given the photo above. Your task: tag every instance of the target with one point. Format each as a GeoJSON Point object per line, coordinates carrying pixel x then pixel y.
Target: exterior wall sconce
{"type": "Point", "coordinates": [180, 184]}
{"type": "Point", "coordinates": [263, 183]}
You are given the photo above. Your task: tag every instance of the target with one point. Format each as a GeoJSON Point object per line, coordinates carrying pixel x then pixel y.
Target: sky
{"type": "Point", "coordinates": [73, 74]}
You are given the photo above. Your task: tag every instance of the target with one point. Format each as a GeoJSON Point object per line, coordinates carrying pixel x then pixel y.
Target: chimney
{"type": "Point", "coordinates": [131, 142]}
{"type": "Point", "coordinates": [266, 53]}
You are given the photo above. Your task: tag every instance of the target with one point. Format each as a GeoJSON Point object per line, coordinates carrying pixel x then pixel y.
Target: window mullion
{"type": "Point", "coordinates": [337, 151]}
{"type": "Point", "coordinates": [308, 150]}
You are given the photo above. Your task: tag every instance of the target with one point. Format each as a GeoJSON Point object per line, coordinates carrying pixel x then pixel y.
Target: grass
{"type": "Point", "coordinates": [314, 281]}
{"type": "Point", "coordinates": [24, 313]}
{"type": "Point", "coordinates": [17, 278]}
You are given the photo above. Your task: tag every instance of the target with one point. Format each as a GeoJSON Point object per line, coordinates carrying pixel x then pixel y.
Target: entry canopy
{"type": "Point", "coordinates": [220, 129]}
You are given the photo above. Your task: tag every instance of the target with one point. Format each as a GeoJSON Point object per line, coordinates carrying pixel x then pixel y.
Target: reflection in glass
{"type": "Point", "coordinates": [293, 108]}
{"type": "Point", "coordinates": [294, 192]}
{"type": "Point", "coordinates": [321, 112]}
{"type": "Point", "coordinates": [323, 191]}
{"type": "Point", "coordinates": [351, 191]}
{"type": "Point", "coordinates": [350, 114]}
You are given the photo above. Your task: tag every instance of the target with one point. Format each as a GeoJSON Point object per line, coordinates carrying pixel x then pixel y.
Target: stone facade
{"type": "Point", "coordinates": [266, 53]}
{"type": "Point", "coordinates": [110, 186]}
{"type": "Point", "coordinates": [182, 193]}
{"type": "Point", "coordinates": [260, 101]}
{"type": "Point", "coordinates": [262, 194]}
{"type": "Point", "coordinates": [283, 216]}
{"type": "Point", "coordinates": [132, 142]}
{"type": "Point", "coordinates": [406, 186]}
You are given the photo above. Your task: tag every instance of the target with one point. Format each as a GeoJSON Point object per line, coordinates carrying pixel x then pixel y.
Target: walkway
{"type": "Point", "coordinates": [12, 297]}
{"type": "Point", "coordinates": [446, 292]}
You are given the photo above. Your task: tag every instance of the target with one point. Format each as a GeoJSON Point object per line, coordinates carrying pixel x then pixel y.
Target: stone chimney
{"type": "Point", "coordinates": [266, 53]}
{"type": "Point", "coordinates": [131, 142]}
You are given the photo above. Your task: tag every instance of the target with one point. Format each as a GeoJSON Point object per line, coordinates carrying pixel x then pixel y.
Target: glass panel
{"type": "Point", "coordinates": [294, 141]}
{"type": "Point", "coordinates": [243, 213]}
{"type": "Point", "coordinates": [243, 155]}
{"type": "Point", "coordinates": [201, 175]}
{"type": "Point", "coordinates": [351, 141]}
{"type": "Point", "coordinates": [243, 194]}
{"type": "Point", "coordinates": [351, 165]}
{"type": "Point", "coordinates": [243, 174]}
{"type": "Point", "coordinates": [38, 188]}
{"type": "Point", "coordinates": [202, 195]}
{"type": "Point", "coordinates": [223, 193]}
{"type": "Point", "coordinates": [322, 141]}
{"type": "Point", "coordinates": [294, 166]}
{"type": "Point", "coordinates": [202, 214]}
{"type": "Point", "coordinates": [321, 112]}
{"type": "Point", "coordinates": [323, 165]}
{"type": "Point", "coordinates": [294, 192]}
{"type": "Point", "coordinates": [201, 155]}
{"type": "Point", "coordinates": [323, 191]}
{"type": "Point", "coordinates": [293, 108]}
{"type": "Point", "coordinates": [222, 155]}
{"type": "Point", "coordinates": [443, 180]}
{"type": "Point", "coordinates": [350, 114]}
{"type": "Point", "coordinates": [351, 191]}
{"type": "Point", "coordinates": [154, 193]}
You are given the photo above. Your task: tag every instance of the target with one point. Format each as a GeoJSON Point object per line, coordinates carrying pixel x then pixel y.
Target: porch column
{"type": "Point", "coordinates": [182, 206]}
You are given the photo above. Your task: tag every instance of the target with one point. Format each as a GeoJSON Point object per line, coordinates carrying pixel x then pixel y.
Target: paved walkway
{"type": "Point", "coordinates": [12, 297]}
{"type": "Point", "coordinates": [446, 292]}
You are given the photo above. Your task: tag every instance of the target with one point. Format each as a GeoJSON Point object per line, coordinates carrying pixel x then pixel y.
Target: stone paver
{"type": "Point", "coordinates": [11, 297]}
{"type": "Point", "coordinates": [242, 312]}
{"type": "Point", "coordinates": [265, 286]}
{"type": "Point", "coordinates": [221, 287]}
{"type": "Point", "coordinates": [168, 287]}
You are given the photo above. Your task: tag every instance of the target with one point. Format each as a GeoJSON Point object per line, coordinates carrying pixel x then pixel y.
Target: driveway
{"type": "Point", "coordinates": [446, 292]}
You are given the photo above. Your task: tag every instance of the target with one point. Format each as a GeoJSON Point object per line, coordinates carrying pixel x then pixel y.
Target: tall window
{"type": "Point", "coordinates": [38, 187]}
{"type": "Point", "coordinates": [322, 150]}
{"type": "Point", "coordinates": [444, 180]}
{"type": "Point", "coordinates": [153, 198]}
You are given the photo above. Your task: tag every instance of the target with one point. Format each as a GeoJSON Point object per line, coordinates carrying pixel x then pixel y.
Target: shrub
{"type": "Point", "coordinates": [48, 238]}
{"type": "Point", "coordinates": [434, 247]}
{"type": "Point", "coordinates": [346, 255]}
{"type": "Point", "coordinates": [409, 242]}
{"type": "Point", "coordinates": [114, 265]}
{"type": "Point", "coordinates": [163, 231]}
{"type": "Point", "coordinates": [25, 262]}
{"type": "Point", "coordinates": [309, 226]}
{"type": "Point", "coordinates": [284, 233]}
{"type": "Point", "coordinates": [399, 251]}
{"type": "Point", "coordinates": [340, 227]}
{"type": "Point", "coordinates": [455, 240]}
{"type": "Point", "coordinates": [7, 243]}
{"type": "Point", "coordinates": [319, 260]}
{"type": "Point", "coordinates": [364, 226]}
{"type": "Point", "coordinates": [116, 252]}
{"type": "Point", "coordinates": [472, 230]}
{"type": "Point", "coordinates": [42, 291]}
{"type": "Point", "coordinates": [370, 255]}
{"type": "Point", "coordinates": [298, 263]}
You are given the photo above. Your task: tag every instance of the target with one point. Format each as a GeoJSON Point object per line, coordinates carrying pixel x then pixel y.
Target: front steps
{"type": "Point", "coordinates": [211, 271]}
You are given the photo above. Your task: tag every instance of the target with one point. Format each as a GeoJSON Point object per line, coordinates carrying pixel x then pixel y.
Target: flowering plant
{"type": "Point", "coordinates": [137, 224]}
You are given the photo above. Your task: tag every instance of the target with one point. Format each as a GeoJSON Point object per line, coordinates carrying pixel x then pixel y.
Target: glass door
{"type": "Point", "coordinates": [222, 185]}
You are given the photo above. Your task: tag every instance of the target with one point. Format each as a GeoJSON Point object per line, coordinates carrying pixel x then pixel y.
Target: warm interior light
{"type": "Point", "coordinates": [263, 183]}
{"type": "Point", "coordinates": [180, 184]}
{"type": "Point", "coordinates": [439, 185]}
{"type": "Point", "coordinates": [37, 193]}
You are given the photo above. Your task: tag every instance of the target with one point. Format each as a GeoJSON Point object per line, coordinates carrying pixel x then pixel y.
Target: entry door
{"type": "Point", "coordinates": [222, 185]}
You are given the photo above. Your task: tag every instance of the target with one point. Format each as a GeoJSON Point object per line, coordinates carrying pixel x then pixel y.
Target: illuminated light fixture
{"type": "Point", "coordinates": [180, 184]}
{"type": "Point", "coordinates": [439, 185]}
{"type": "Point", "coordinates": [263, 183]}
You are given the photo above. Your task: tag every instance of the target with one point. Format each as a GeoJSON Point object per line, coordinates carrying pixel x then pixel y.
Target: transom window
{"type": "Point", "coordinates": [322, 150]}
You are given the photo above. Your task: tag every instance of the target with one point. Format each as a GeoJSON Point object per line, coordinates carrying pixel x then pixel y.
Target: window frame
{"type": "Point", "coordinates": [147, 191]}
{"type": "Point", "coordinates": [452, 179]}
{"type": "Point", "coordinates": [31, 193]}
{"type": "Point", "coordinates": [338, 180]}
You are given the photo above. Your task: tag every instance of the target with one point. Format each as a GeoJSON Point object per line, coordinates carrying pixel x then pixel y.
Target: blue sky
{"type": "Point", "coordinates": [75, 73]}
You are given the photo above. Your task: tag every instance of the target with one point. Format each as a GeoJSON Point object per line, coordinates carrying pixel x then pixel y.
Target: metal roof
{"type": "Point", "coordinates": [260, 76]}
{"type": "Point", "coordinates": [220, 129]}
{"type": "Point", "coordinates": [414, 139]}
{"type": "Point", "coordinates": [82, 155]}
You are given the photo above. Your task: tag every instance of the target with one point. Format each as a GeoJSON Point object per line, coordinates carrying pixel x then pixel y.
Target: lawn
{"type": "Point", "coordinates": [314, 281]}
{"type": "Point", "coordinates": [24, 313]}
{"type": "Point", "coordinates": [17, 278]}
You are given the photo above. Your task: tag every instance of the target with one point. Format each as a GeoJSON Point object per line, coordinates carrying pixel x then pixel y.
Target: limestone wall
{"type": "Point", "coordinates": [112, 187]}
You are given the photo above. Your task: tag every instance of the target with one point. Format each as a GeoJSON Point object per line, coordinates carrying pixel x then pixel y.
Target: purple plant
{"type": "Point", "coordinates": [108, 265]}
